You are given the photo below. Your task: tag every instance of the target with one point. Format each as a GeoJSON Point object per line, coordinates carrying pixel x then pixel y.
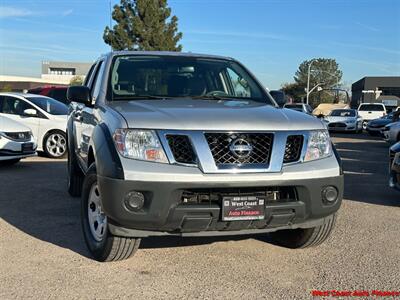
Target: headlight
{"type": "Point", "coordinates": [319, 145]}
{"type": "Point", "coordinates": [350, 121]}
{"type": "Point", "coordinates": [139, 144]}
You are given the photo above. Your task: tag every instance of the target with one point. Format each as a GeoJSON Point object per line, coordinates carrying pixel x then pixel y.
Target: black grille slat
{"type": "Point", "coordinates": [294, 144]}
{"type": "Point", "coordinates": [19, 136]}
{"type": "Point", "coordinates": [220, 143]}
{"type": "Point", "coordinates": [182, 149]}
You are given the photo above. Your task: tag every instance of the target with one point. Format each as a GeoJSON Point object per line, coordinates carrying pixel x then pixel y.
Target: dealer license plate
{"type": "Point", "coordinates": [235, 208]}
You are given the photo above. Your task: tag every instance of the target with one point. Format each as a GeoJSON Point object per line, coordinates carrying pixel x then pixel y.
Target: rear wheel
{"type": "Point", "coordinates": [75, 175]}
{"type": "Point", "coordinates": [304, 237]}
{"type": "Point", "coordinates": [364, 125]}
{"type": "Point", "coordinates": [101, 243]}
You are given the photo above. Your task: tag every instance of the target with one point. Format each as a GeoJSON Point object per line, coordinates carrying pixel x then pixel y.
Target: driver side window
{"type": "Point", "coordinates": [14, 106]}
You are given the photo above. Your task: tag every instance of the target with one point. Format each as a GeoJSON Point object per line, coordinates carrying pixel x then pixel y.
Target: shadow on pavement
{"type": "Point", "coordinates": [366, 164]}
{"type": "Point", "coordinates": [34, 199]}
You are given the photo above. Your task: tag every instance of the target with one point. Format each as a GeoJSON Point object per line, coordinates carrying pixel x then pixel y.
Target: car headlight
{"type": "Point", "coordinates": [350, 121]}
{"type": "Point", "coordinates": [319, 145]}
{"type": "Point", "coordinates": [139, 144]}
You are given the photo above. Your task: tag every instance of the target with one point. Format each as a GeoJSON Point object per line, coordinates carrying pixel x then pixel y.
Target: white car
{"type": "Point", "coordinates": [391, 132]}
{"type": "Point", "coordinates": [344, 120]}
{"type": "Point", "coordinates": [16, 141]}
{"type": "Point", "coordinates": [46, 117]}
{"type": "Point", "coordinates": [371, 111]}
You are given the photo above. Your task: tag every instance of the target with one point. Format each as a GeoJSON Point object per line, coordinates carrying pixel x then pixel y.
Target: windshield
{"type": "Point", "coordinates": [135, 77]}
{"type": "Point", "coordinates": [298, 106]}
{"type": "Point", "coordinates": [371, 107]}
{"type": "Point", "coordinates": [50, 105]}
{"type": "Point", "coordinates": [343, 113]}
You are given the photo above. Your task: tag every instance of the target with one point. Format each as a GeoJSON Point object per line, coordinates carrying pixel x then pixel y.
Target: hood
{"type": "Point", "coordinates": [8, 125]}
{"type": "Point", "coordinates": [339, 119]}
{"type": "Point", "coordinates": [380, 122]}
{"type": "Point", "coordinates": [189, 114]}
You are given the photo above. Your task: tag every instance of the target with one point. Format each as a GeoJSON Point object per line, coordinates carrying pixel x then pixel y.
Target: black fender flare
{"type": "Point", "coordinates": [339, 160]}
{"type": "Point", "coordinates": [108, 162]}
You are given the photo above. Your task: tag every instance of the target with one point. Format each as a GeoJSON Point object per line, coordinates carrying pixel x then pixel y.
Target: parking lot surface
{"type": "Point", "coordinates": [42, 252]}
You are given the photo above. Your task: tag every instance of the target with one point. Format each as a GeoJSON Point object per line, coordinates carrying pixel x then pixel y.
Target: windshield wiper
{"type": "Point", "coordinates": [140, 97]}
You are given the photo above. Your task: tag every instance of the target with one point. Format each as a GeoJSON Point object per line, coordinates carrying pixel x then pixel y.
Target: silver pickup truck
{"type": "Point", "coordinates": [192, 145]}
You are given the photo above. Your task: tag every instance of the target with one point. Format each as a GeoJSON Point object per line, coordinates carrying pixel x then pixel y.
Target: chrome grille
{"type": "Point", "coordinates": [221, 148]}
{"type": "Point", "coordinates": [294, 144]}
{"type": "Point", "coordinates": [181, 148]}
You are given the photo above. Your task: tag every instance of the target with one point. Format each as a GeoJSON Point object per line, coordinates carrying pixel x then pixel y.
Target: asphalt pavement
{"type": "Point", "coordinates": [43, 255]}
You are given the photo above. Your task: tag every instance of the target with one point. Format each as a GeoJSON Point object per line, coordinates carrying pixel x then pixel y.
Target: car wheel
{"type": "Point", "coordinates": [75, 175]}
{"type": "Point", "coordinates": [55, 144]}
{"type": "Point", "coordinates": [100, 242]}
{"type": "Point", "coordinates": [9, 162]}
{"type": "Point", "coordinates": [304, 237]}
{"type": "Point", "coordinates": [364, 125]}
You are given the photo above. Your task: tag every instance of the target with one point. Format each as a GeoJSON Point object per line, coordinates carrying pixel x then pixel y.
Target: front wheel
{"type": "Point", "coordinates": [101, 243]}
{"type": "Point", "coordinates": [304, 237]}
{"type": "Point", "coordinates": [55, 144]}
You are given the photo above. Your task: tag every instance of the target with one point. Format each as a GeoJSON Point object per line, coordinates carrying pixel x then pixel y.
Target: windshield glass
{"type": "Point", "coordinates": [134, 76]}
{"type": "Point", "coordinates": [298, 106]}
{"type": "Point", "coordinates": [371, 107]}
{"type": "Point", "coordinates": [50, 105]}
{"type": "Point", "coordinates": [343, 113]}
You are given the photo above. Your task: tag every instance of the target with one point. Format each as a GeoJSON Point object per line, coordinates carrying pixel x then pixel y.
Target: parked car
{"type": "Point", "coordinates": [391, 132]}
{"type": "Point", "coordinates": [46, 117]}
{"type": "Point", "coordinates": [56, 92]}
{"type": "Point", "coordinates": [344, 120]}
{"type": "Point", "coordinates": [16, 141]}
{"type": "Point", "coordinates": [394, 166]}
{"type": "Point", "coordinates": [376, 126]}
{"type": "Point", "coordinates": [302, 107]}
{"type": "Point", "coordinates": [189, 145]}
{"type": "Point", "coordinates": [324, 109]}
{"type": "Point", "coordinates": [371, 111]}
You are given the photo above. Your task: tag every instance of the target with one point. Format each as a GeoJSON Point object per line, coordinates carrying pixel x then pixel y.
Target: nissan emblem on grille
{"type": "Point", "coordinates": [241, 148]}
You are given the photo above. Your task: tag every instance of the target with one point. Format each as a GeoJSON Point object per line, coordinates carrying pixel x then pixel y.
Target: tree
{"type": "Point", "coordinates": [293, 90]}
{"type": "Point", "coordinates": [143, 25]}
{"type": "Point", "coordinates": [324, 71]}
{"type": "Point", "coordinates": [76, 80]}
{"type": "Point", "coordinates": [7, 88]}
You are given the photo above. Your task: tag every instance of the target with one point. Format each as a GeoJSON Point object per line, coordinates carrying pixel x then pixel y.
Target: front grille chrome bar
{"type": "Point", "coordinates": [206, 162]}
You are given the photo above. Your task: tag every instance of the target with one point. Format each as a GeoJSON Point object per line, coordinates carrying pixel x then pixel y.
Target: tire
{"type": "Point", "coordinates": [9, 162]}
{"type": "Point", "coordinates": [55, 144]}
{"type": "Point", "coordinates": [364, 125]}
{"type": "Point", "coordinates": [75, 175]}
{"type": "Point", "coordinates": [303, 238]}
{"type": "Point", "coordinates": [101, 243]}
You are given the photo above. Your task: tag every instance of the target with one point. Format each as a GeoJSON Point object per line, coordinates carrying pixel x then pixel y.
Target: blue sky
{"type": "Point", "coordinates": [271, 37]}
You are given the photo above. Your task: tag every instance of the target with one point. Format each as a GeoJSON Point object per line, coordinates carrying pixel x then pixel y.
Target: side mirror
{"type": "Point", "coordinates": [30, 112]}
{"type": "Point", "coordinates": [279, 97]}
{"type": "Point", "coordinates": [80, 94]}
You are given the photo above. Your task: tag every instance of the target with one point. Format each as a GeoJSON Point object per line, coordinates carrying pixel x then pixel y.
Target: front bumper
{"type": "Point", "coordinates": [10, 149]}
{"type": "Point", "coordinates": [164, 213]}
{"type": "Point", "coordinates": [344, 127]}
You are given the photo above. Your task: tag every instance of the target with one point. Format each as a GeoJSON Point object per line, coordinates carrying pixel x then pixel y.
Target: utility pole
{"type": "Point", "coordinates": [308, 79]}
